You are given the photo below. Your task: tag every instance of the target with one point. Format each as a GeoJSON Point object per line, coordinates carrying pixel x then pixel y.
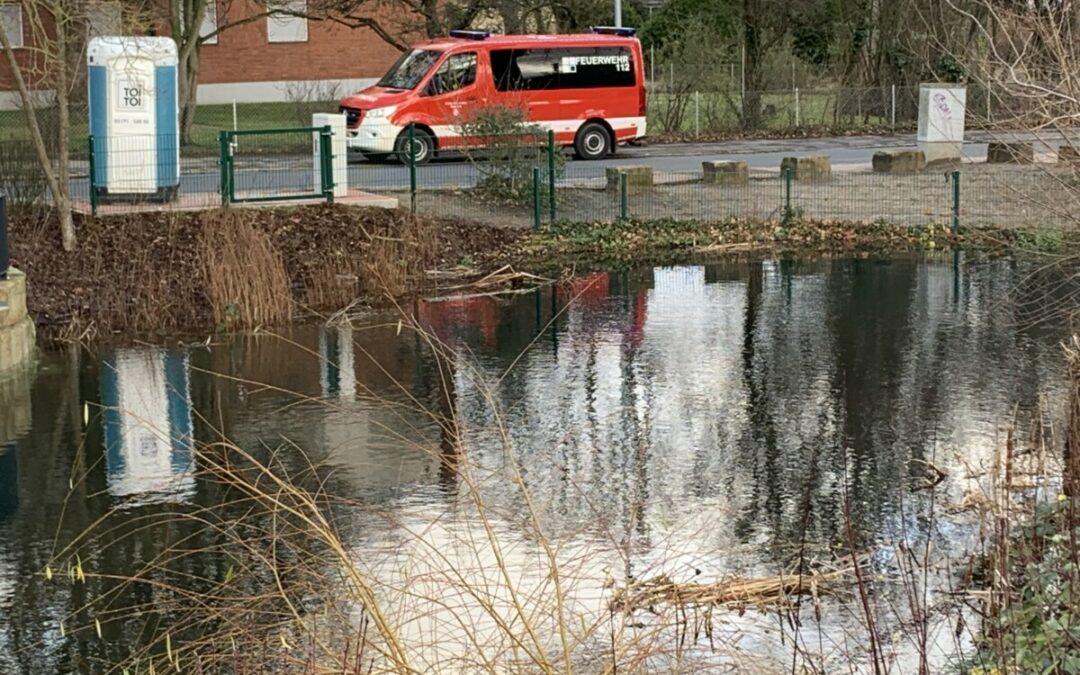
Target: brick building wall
{"type": "Point", "coordinates": [246, 66]}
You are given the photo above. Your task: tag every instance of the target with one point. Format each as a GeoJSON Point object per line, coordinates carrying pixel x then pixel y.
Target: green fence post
{"type": "Point", "coordinates": [536, 197]}
{"type": "Point", "coordinates": [326, 163]}
{"type": "Point", "coordinates": [551, 174]}
{"type": "Point", "coordinates": [624, 206]}
{"type": "Point", "coordinates": [93, 190]}
{"type": "Point", "coordinates": [787, 193]}
{"type": "Point", "coordinates": [412, 169]}
{"type": "Point", "coordinates": [956, 202]}
{"type": "Point", "coordinates": [224, 161]}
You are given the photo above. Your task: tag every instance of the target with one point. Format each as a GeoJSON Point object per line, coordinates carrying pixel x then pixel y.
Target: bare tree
{"type": "Point", "coordinates": [55, 26]}
{"type": "Point", "coordinates": [1029, 54]}
{"type": "Point", "coordinates": [187, 24]}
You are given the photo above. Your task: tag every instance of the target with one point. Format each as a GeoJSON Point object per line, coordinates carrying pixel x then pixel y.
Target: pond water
{"type": "Point", "coordinates": [708, 418]}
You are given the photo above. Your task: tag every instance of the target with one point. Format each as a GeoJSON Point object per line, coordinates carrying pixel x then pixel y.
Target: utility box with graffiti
{"type": "Point", "coordinates": [941, 121]}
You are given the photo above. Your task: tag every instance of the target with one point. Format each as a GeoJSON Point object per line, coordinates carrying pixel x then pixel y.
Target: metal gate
{"type": "Point", "coordinates": [270, 165]}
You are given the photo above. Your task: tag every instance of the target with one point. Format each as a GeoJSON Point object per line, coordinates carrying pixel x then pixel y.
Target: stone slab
{"type": "Point", "coordinates": [998, 152]}
{"type": "Point", "coordinates": [638, 178]}
{"type": "Point", "coordinates": [726, 172]}
{"type": "Point", "coordinates": [899, 161]}
{"type": "Point", "coordinates": [808, 167]}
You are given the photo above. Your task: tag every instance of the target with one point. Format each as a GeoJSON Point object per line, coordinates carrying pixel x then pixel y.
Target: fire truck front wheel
{"type": "Point", "coordinates": [423, 146]}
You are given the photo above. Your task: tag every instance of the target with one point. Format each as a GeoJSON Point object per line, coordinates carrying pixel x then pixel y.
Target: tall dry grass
{"type": "Point", "coordinates": [245, 275]}
{"type": "Point", "coordinates": [398, 257]}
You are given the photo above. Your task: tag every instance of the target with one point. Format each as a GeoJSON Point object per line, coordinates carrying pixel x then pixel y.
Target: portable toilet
{"type": "Point", "coordinates": [134, 118]}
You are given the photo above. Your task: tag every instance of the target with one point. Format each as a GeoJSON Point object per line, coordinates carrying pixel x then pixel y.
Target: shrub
{"type": "Point", "coordinates": [21, 176]}
{"type": "Point", "coordinates": [505, 150]}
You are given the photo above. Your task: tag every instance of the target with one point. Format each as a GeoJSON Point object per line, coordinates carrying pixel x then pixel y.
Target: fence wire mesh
{"type": "Point", "coordinates": [495, 184]}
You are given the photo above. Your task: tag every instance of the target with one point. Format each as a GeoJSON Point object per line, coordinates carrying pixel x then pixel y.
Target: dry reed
{"type": "Point", "coordinates": [246, 280]}
{"type": "Point", "coordinates": [399, 253]}
{"type": "Point", "coordinates": [761, 592]}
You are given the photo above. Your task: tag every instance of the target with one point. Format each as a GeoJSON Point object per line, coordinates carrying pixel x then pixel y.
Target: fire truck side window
{"type": "Point", "coordinates": [458, 72]}
{"type": "Point", "coordinates": [562, 68]}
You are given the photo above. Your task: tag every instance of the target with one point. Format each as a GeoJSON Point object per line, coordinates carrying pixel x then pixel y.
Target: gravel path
{"type": "Point", "coordinates": [1000, 196]}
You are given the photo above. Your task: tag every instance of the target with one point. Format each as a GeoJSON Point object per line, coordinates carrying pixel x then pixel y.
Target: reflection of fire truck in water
{"type": "Point", "coordinates": [449, 317]}
{"type": "Point", "coordinates": [444, 318]}
{"type": "Point", "coordinates": [587, 290]}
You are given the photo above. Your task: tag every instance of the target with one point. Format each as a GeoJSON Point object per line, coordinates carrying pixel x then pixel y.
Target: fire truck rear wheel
{"type": "Point", "coordinates": [592, 142]}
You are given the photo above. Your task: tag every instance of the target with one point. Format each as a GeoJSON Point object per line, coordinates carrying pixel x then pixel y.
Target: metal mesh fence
{"type": "Point", "coordinates": [998, 196]}
{"type": "Point", "coordinates": [516, 181]}
{"type": "Point", "coordinates": [688, 110]}
{"type": "Point", "coordinates": [145, 170]}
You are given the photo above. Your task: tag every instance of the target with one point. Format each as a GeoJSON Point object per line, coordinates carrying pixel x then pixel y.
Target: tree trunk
{"type": "Point", "coordinates": [188, 75]}
{"type": "Point", "coordinates": [63, 131]}
{"type": "Point", "coordinates": [185, 19]}
{"type": "Point", "coordinates": [1071, 469]}
{"type": "Point", "coordinates": [58, 189]}
{"type": "Point", "coordinates": [751, 100]}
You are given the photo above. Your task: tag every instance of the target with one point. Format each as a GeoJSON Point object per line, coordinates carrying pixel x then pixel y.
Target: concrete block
{"type": "Point", "coordinates": [16, 345]}
{"type": "Point", "coordinates": [899, 161]}
{"type": "Point", "coordinates": [17, 331]}
{"type": "Point", "coordinates": [941, 154]}
{"type": "Point", "coordinates": [638, 178]}
{"type": "Point", "coordinates": [811, 167]}
{"type": "Point", "coordinates": [726, 172]}
{"type": "Point", "coordinates": [1010, 153]}
{"type": "Point", "coordinates": [12, 298]}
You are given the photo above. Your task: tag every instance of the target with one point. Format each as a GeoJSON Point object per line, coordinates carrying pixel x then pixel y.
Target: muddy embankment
{"type": "Point", "coordinates": [168, 273]}
{"type": "Point", "coordinates": [145, 274]}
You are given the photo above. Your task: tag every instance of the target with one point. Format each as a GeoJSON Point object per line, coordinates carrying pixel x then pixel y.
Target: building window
{"type": "Point", "coordinates": [208, 29]}
{"type": "Point", "coordinates": [104, 18]}
{"type": "Point", "coordinates": [12, 24]}
{"type": "Point", "coordinates": [285, 25]}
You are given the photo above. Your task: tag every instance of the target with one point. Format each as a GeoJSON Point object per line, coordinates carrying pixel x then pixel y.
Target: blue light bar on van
{"type": "Point", "coordinates": [613, 30]}
{"type": "Point", "coordinates": [470, 34]}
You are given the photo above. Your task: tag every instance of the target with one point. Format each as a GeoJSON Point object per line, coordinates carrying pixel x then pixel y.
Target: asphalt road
{"type": "Point", "coordinates": [265, 176]}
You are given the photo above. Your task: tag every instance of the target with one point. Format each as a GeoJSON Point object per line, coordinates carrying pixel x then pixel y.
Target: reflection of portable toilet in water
{"type": "Point", "coordinates": [941, 121]}
{"type": "Point", "coordinates": [9, 481]}
{"type": "Point", "coordinates": [337, 373]}
{"type": "Point", "coordinates": [134, 118]}
{"type": "Point", "coordinates": [147, 420]}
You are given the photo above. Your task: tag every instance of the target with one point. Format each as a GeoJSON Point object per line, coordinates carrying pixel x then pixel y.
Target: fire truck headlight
{"type": "Point", "coordinates": [380, 113]}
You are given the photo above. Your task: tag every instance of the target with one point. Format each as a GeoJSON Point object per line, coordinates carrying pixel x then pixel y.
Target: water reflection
{"type": "Point", "coordinates": [147, 423]}
{"type": "Point", "coordinates": [337, 372]}
{"type": "Point", "coordinates": [15, 420]}
{"type": "Point", "coordinates": [759, 388]}
{"type": "Point", "coordinates": [701, 417]}
{"type": "Point", "coordinates": [9, 481]}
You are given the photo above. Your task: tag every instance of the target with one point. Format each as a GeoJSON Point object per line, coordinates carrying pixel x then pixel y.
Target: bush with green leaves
{"type": "Point", "coordinates": [1037, 626]}
{"type": "Point", "coordinates": [505, 148]}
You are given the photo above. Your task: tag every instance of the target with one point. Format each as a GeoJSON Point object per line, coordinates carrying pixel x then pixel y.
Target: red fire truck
{"type": "Point", "coordinates": [589, 89]}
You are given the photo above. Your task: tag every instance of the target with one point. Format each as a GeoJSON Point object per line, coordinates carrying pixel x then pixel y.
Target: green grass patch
{"type": "Point", "coordinates": [634, 241]}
